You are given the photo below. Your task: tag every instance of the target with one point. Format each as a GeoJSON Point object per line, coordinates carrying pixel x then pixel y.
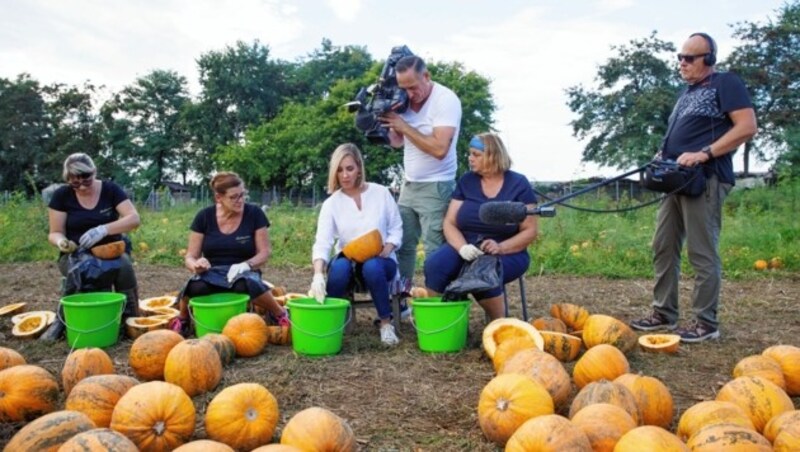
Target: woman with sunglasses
{"type": "Point", "coordinates": [85, 213]}
{"type": "Point", "coordinates": [228, 243]}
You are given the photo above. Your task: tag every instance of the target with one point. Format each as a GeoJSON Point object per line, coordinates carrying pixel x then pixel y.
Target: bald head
{"type": "Point", "coordinates": [695, 53]}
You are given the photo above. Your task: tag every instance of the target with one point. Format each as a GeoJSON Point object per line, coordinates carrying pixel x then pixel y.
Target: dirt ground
{"type": "Point", "coordinates": [403, 399]}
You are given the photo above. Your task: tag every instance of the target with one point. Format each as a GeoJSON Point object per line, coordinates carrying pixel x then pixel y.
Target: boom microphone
{"type": "Point", "coordinates": [510, 212]}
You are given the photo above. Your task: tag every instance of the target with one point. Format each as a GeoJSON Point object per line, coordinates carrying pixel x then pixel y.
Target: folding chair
{"type": "Point", "coordinates": [523, 300]}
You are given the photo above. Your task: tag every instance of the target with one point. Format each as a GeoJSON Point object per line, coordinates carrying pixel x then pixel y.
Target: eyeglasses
{"type": "Point", "coordinates": [76, 180]}
{"type": "Point", "coordinates": [690, 58]}
{"type": "Point", "coordinates": [238, 196]}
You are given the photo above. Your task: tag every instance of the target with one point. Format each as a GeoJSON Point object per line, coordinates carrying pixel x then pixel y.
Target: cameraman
{"type": "Point", "coordinates": [428, 131]}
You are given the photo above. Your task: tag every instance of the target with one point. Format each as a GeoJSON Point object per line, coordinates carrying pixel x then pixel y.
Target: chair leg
{"type": "Point", "coordinates": [522, 298]}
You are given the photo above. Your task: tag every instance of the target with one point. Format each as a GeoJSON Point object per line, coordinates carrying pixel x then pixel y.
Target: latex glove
{"type": "Point", "coordinates": [92, 236]}
{"type": "Point", "coordinates": [318, 288]}
{"type": "Point", "coordinates": [469, 252]}
{"type": "Point", "coordinates": [236, 270]}
{"type": "Point", "coordinates": [67, 246]}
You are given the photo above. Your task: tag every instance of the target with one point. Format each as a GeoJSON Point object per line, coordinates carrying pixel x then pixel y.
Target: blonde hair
{"type": "Point", "coordinates": [78, 163]}
{"type": "Point", "coordinates": [342, 151]}
{"type": "Point", "coordinates": [495, 155]}
{"type": "Point", "coordinates": [224, 180]}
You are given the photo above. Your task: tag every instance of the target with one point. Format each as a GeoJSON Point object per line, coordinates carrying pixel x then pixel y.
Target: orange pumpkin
{"type": "Point", "coordinates": [364, 247]}
{"type": "Point", "coordinates": [788, 440]}
{"type": "Point", "coordinates": [565, 347]}
{"type": "Point", "coordinates": [110, 250]}
{"type": "Point", "coordinates": [278, 335]}
{"type": "Point", "coordinates": [204, 445]}
{"type": "Point", "coordinates": [276, 448]}
{"type": "Point", "coordinates": [652, 396]}
{"type": "Point", "coordinates": [242, 416]}
{"type": "Point", "coordinates": [544, 369]}
{"type": "Point", "coordinates": [510, 347]}
{"type": "Point", "coordinates": [83, 363]}
{"type": "Point", "coordinates": [711, 412]}
{"type": "Point", "coordinates": [600, 362]}
{"type": "Point", "coordinates": [502, 329]}
{"type": "Point", "coordinates": [548, 433]}
{"type": "Point", "coordinates": [549, 324]}
{"type": "Point", "coordinates": [779, 422]}
{"type": "Point", "coordinates": [660, 343]}
{"type": "Point", "coordinates": [194, 365]}
{"type": "Point", "coordinates": [26, 392]}
{"type": "Point", "coordinates": [789, 358]}
{"type": "Point", "coordinates": [509, 400]}
{"type": "Point", "coordinates": [319, 429]}
{"type": "Point", "coordinates": [720, 437]}
{"type": "Point", "coordinates": [760, 366]}
{"type": "Point", "coordinates": [604, 424]}
{"type": "Point", "coordinates": [49, 432]}
{"type": "Point", "coordinates": [760, 399]}
{"type": "Point", "coordinates": [248, 332]}
{"type": "Point", "coordinates": [605, 391]}
{"type": "Point", "coordinates": [97, 395]}
{"type": "Point", "coordinates": [149, 353]}
{"type": "Point", "coordinates": [9, 357]}
{"type": "Point", "coordinates": [99, 439]}
{"type": "Point", "coordinates": [572, 315]}
{"type": "Point", "coordinates": [651, 439]}
{"type": "Point", "coordinates": [223, 345]}
{"type": "Point", "coordinates": [156, 416]}
{"type": "Point", "coordinates": [603, 329]}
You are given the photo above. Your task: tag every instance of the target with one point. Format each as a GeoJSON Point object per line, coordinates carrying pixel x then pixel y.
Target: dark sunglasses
{"type": "Point", "coordinates": [80, 179]}
{"type": "Point", "coordinates": [690, 58]}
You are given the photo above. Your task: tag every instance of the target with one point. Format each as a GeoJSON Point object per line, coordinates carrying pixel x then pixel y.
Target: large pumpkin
{"type": "Point", "coordinates": [603, 329]}
{"type": "Point", "coordinates": [248, 332]}
{"type": "Point", "coordinates": [224, 346]}
{"type": "Point", "coordinates": [276, 448]}
{"type": "Point", "coordinates": [549, 433]}
{"type": "Point", "coordinates": [83, 363]}
{"type": "Point", "coordinates": [601, 362]}
{"type": "Point", "coordinates": [760, 366]}
{"type": "Point", "coordinates": [760, 399]}
{"type": "Point", "coordinates": [789, 358]}
{"type": "Point", "coordinates": [242, 416]}
{"type": "Point", "coordinates": [711, 412]}
{"type": "Point", "coordinates": [778, 423]}
{"type": "Point", "coordinates": [604, 424]}
{"type": "Point", "coordinates": [317, 429]}
{"type": "Point", "coordinates": [9, 357]}
{"type": "Point", "coordinates": [502, 329]}
{"type": "Point", "coordinates": [156, 416]}
{"type": "Point", "coordinates": [605, 391]}
{"type": "Point", "coordinates": [49, 432]}
{"type": "Point", "coordinates": [97, 395]}
{"type": "Point", "coordinates": [194, 365]}
{"type": "Point", "coordinates": [364, 247]}
{"type": "Point", "coordinates": [544, 369]}
{"type": "Point", "coordinates": [549, 324]}
{"type": "Point", "coordinates": [788, 440]}
{"type": "Point", "coordinates": [279, 335]}
{"type": "Point", "coordinates": [651, 439]}
{"type": "Point", "coordinates": [26, 392]}
{"type": "Point", "coordinates": [509, 348]}
{"type": "Point", "coordinates": [721, 437]}
{"type": "Point", "coordinates": [572, 315]}
{"type": "Point", "coordinates": [509, 400]}
{"type": "Point", "coordinates": [149, 353]}
{"type": "Point", "coordinates": [99, 439]}
{"type": "Point", "coordinates": [565, 347]}
{"type": "Point", "coordinates": [652, 396]}
{"type": "Point", "coordinates": [204, 445]}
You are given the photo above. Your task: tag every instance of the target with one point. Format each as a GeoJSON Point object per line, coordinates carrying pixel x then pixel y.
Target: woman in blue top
{"type": "Point", "coordinates": [468, 237]}
{"type": "Point", "coordinates": [228, 243]}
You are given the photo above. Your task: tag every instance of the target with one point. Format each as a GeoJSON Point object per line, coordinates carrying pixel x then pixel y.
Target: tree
{"type": "Point", "coordinates": [625, 116]}
{"type": "Point", "coordinates": [314, 76]}
{"type": "Point", "coordinates": [23, 133]}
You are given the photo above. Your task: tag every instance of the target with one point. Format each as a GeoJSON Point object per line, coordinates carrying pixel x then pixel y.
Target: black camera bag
{"type": "Point", "coordinates": [667, 176]}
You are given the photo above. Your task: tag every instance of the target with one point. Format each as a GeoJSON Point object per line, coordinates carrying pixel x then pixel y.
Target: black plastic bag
{"type": "Point", "coordinates": [484, 273]}
{"type": "Point", "coordinates": [87, 273]}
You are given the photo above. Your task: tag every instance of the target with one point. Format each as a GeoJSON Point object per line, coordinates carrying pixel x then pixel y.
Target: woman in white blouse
{"type": "Point", "coordinates": [353, 208]}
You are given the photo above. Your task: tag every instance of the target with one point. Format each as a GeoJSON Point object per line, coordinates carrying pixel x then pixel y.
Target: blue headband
{"type": "Point", "coordinates": [476, 143]}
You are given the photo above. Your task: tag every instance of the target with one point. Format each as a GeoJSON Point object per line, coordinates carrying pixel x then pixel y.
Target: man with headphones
{"type": "Point", "coordinates": [712, 117]}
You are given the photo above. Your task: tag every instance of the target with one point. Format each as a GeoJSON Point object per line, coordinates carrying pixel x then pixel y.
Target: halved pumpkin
{"type": "Point", "coordinates": [282, 299]}
{"type": "Point", "coordinates": [149, 305]}
{"type": "Point", "coordinates": [12, 308]}
{"type": "Point", "coordinates": [111, 250]}
{"type": "Point", "coordinates": [660, 343]}
{"type": "Point", "coordinates": [502, 329]}
{"type": "Point", "coordinates": [51, 316]}
{"type": "Point", "coordinates": [364, 247]}
{"type": "Point", "coordinates": [565, 347]}
{"type": "Point", "coordinates": [136, 326]}
{"type": "Point", "coordinates": [166, 313]}
{"type": "Point", "coordinates": [30, 327]}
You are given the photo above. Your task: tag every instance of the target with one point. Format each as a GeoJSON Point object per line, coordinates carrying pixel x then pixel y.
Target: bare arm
{"type": "Point", "coordinates": [58, 226]}
{"type": "Point", "coordinates": [744, 128]}
{"type": "Point", "coordinates": [128, 219]}
{"type": "Point", "coordinates": [263, 249]}
{"type": "Point", "coordinates": [452, 234]}
{"type": "Point", "coordinates": [436, 144]}
{"type": "Point", "coordinates": [193, 261]}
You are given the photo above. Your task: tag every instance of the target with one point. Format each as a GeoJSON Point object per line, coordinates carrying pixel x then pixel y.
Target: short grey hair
{"type": "Point", "coordinates": [78, 163]}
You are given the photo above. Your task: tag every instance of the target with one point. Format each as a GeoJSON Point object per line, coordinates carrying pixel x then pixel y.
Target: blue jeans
{"type": "Point", "coordinates": [445, 264]}
{"type": "Point", "coordinates": [376, 274]}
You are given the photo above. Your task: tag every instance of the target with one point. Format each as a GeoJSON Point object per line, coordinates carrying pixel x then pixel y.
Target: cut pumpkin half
{"type": "Point", "coordinates": [136, 326]}
{"type": "Point", "coordinates": [30, 327]}
{"type": "Point", "coordinates": [660, 343]}
{"type": "Point", "coordinates": [51, 316]}
{"type": "Point", "coordinates": [12, 308]}
{"type": "Point", "coordinates": [148, 306]}
{"type": "Point", "coordinates": [502, 329]}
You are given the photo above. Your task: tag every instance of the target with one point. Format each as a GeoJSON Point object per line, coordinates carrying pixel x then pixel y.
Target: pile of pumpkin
{"type": "Point", "coordinates": [107, 411]}
{"type": "Point", "coordinates": [615, 409]}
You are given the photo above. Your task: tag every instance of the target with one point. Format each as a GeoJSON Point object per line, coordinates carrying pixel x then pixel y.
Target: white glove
{"type": "Point", "coordinates": [236, 270]}
{"type": "Point", "coordinates": [67, 246]}
{"type": "Point", "coordinates": [469, 252]}
{"type": "Point", "coordinates": [92, 236]}
{"type": "Point", "coordinates": [318, 288]}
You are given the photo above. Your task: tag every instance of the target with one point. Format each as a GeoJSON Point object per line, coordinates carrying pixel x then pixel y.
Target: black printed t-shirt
{"type": "Point", "coordinates": [80, 219]}
{"type": "Point", "coordinates": [228, 249]}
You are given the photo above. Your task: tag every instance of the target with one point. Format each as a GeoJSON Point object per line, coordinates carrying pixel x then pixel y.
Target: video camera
{"type": "Point", "coordinates": [384, 96]}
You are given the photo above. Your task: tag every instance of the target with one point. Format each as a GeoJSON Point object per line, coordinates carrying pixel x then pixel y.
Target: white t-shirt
{"type": "Point", "coordinates": [340, 221]}
{"type": "Point", "coordinates": [442, 109]}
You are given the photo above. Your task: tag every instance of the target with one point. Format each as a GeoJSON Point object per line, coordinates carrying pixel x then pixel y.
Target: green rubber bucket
{"type": "Point", "coordinates": [92, 319]}
{"type": "Point", "coordinates": [317, 329]}
{"type": "Point", "coordinates": [211, 312]}
{"type": "Point", "coordinates": [441, 326]}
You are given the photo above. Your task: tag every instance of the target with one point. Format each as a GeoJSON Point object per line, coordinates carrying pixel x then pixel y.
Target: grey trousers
{"type": "Point", "coordinates": [698, 222]}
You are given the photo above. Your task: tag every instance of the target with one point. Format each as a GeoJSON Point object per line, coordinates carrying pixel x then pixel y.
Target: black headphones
{"type": "Point", "coordinates": [710, 58]}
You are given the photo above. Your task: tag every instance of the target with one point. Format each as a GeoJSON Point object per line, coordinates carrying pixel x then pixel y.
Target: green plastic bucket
{"type": "Point", "coordinates": [317, 329]}
{"type": "Point", "coordinates": [92, 319]}
{"type": "Point", "coordinates": [211, 312]}
{"type": "Point", "coordinates": [441, 326]}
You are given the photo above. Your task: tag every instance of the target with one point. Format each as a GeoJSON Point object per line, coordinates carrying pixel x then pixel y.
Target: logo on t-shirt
{"type": "Point", "coordinates": [242, 239]}
{"type": "Point", "coordinates": [107, 211]}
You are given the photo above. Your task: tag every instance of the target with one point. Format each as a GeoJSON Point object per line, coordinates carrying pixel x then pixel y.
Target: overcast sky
{"type": "Point", "coordinates": [531, 50]}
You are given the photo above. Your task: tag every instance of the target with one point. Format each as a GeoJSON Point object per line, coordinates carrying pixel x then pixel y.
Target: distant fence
{"type": "Point", "coordinates": [163, 199]}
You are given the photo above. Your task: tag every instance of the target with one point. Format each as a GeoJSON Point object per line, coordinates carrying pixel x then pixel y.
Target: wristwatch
{"type": "Point", "coordinates": [707, 151]}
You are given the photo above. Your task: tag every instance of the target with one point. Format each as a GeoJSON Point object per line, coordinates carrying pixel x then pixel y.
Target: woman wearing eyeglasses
{"type": "Point", "coordinates": [83, 214]}
{"type": "Point", "coordinates": [228, 242]}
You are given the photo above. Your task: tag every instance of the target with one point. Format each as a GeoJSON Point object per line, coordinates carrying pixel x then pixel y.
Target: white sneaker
{"type": "Point", "coordinates": [388, 335]}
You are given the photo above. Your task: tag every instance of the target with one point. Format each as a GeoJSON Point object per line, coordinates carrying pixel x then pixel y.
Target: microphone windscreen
{"type": "Point", "coordinates": [502, 212]}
